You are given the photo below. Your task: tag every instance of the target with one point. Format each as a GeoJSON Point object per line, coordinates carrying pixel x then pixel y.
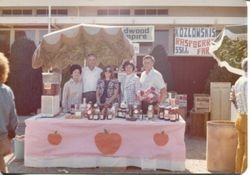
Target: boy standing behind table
{"type": "Point", "coordinates": [8, 116]}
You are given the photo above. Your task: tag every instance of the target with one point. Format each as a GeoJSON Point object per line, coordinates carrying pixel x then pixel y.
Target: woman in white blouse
{"type": "Point", "coordinates": [72, 90]}
{"type": "Point", "coordinates": [130, 85]}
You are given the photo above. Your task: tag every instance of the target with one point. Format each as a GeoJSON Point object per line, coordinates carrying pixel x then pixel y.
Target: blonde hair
{"type": "Point", "coordinates": [4, 68]}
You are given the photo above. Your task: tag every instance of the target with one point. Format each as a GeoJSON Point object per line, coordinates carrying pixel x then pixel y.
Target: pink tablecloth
{"type": "Point", "coordinates": [59, 142]}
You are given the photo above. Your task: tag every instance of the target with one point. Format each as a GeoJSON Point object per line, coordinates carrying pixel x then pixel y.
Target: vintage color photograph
{"type": "Point", "coordinates": [123, 87]}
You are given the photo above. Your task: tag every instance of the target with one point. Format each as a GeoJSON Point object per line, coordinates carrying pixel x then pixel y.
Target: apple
{"type": "Point", "coordinates": [161, 139]}
{"type": "Point", "coordinates": [108, 143]}
{"type": "Point", "coordinates": [54, 138]}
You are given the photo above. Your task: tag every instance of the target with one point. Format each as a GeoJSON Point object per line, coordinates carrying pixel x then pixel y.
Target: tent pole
{"type": "Point", "coordinates": [49, 22]}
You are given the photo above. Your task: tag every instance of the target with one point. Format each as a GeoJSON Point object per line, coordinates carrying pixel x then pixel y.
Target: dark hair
{"type": "Point", "coordinates": [74, 67]}
{"type": "Point", "coordinates": [149, 57]}
{"type": "Point", "coordinates": [107, 69]}
{"type": "Point", "coordinates": [126, 63]}
{"type": "Point", "coordinates": [91, 54]}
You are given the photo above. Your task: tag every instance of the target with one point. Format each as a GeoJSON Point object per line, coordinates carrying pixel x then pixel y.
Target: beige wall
{"type": "Point", "coordinates": [129, 3]}
{"type": "Point", "coordinates": [208, 11]}
{"type": "Point", "coordinates": [173, 11]}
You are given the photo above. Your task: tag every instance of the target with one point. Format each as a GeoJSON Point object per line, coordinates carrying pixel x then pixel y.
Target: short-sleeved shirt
{"type": "Point", "coordinates": [90, 78]}
{"type": "Point", "coordinates": [152, 79]}
{"type": "Point", "coordinates": [241, 94]}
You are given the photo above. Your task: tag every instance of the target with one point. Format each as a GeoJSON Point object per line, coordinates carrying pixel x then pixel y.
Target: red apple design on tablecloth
{"type": "Point", "coordinates": [108, 143]}
{"type": "Point", "coordinates": [54, 138]}
{"type": "Point", "coordinates": [161, 139]}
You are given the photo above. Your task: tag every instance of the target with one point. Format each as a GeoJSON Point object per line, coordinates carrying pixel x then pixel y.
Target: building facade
{"type": "Point", "coordinates": [159, 26]}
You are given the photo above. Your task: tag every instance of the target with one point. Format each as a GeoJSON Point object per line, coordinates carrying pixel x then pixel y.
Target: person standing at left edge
{"type": "Point", "coordinates": [239, 97]}
{"type": "Point", "coordinates": [8, 116]}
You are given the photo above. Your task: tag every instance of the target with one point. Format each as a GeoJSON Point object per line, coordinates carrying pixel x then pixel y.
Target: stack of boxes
{"type": "Point", "coordinates": [50, 105]}
{"type": "Point", "coordinates": [200, 115]}
{"type": "Point", "coordinates": [202, 103]}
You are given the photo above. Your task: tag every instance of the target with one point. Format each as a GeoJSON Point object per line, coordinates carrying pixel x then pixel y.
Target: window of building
{"type": "Point", "coordinates": [27, 12]}
{"type": "Point", "coordinates": [102, 12]}
{"type": "Point", "coordinates": [161, 38]}
{"type": "Point", "coordinates": [146, 48]}
{"type": "Point", "coordinates": [162, 11]}
{"type": "Point", "coordinates": [18, 12]}
{"type": "Point", "coordinates": [140, 12]}
{"type": "Point", "coordinates": [124, 12]}
{"type": "Point", "coordinates": [7, 12]}
{"type": "Point", "coordinates": [63, 12]}
{"type": "Point", "coordinates": [54, 12]}
{"type": "Point", "coordinates": [150, 12]}
{"type": "Point", "coordinates": [113, 12]}
{"type": "Point", "coordinates": [30, 34]}
{"type": "Point", "coordinates": [41, 34]}
{"type": "Point", "coordinates": [42, 12]}
{"type": "Point", "coordinates": [5, 42]}
{"type": "Point", "coordinates": [59, 12]}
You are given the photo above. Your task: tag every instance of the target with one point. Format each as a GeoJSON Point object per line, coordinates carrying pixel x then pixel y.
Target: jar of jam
{"type": "Point", "coordinates": [150, 113]}
{"type": "Point", "coordinates": [161, 112]}
{"type": "Point", "coordinates": [166, 113]}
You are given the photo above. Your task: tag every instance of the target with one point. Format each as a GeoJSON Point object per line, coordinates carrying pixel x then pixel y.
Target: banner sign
{"type": "Point", "coordinates": [193, 41]}
{"type": "Point", "coordinates": [140, 33]}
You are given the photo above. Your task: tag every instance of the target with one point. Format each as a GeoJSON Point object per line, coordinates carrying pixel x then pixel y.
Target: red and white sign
{"type": "Point", "coordinates": [193, 41]}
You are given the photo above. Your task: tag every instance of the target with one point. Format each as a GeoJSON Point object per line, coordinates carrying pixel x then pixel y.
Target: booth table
{"type": "Point", "coordinates": [83, 143]}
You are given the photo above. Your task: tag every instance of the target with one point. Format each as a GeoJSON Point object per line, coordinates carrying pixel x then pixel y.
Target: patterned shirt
{"type": "Point", "coordinates": [241, 94]}
{"type": "Point", "coordinates": [112, 86]}
{"type": "Point", "coordinates": [129, 87]}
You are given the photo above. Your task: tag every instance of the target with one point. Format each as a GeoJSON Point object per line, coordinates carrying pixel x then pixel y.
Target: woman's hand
{"type": "Point", "coordinates": [106, 105]}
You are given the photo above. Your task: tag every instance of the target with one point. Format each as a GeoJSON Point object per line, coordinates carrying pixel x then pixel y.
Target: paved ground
{"type": "Point", "coordinates": [195, 161]}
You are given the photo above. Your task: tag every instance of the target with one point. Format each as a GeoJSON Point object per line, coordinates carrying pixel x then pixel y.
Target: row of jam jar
{"type": "Point", "coordinates": [93, 112]}
{"type": "Point", "coordinates": [169, 113]}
